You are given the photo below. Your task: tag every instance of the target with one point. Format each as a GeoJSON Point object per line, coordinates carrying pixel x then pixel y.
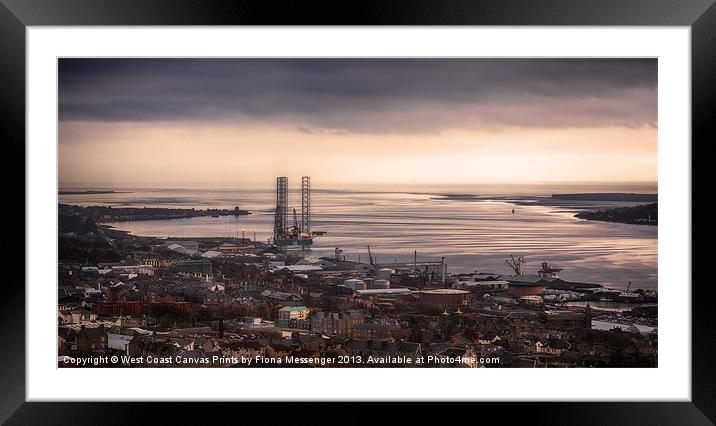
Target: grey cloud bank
{"type": "Point", "coordinates": [363, 95]}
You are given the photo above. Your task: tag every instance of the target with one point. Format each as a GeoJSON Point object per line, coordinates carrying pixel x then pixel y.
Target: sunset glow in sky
{"type": "Point", "coordinates": [126, 121]}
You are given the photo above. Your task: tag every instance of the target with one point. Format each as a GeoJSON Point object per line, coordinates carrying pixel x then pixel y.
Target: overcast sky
{"type": "Point", "coordinates": [357, 120]}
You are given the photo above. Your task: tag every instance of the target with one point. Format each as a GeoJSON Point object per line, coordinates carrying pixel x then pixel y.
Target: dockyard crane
{"type": "Point", "coordinates": [516, 265]}
{"type": "Point", "coordinates": [295, 222]}
{"type": "Point", "coordinates": [370, 257]}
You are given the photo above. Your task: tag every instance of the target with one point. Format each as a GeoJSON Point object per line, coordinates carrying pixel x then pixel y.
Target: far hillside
{"type": "Point", "coordinates": [608, 196]}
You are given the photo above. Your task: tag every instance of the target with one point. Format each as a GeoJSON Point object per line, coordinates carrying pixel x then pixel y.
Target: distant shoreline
{"type": "Point", "coordinates": [586, 196]}
{"type": "Point", "coordinates": [608, 196]}
{"type": "Point", "coordinates": [105, 214]}
{"type": "Point", "coordinates": [91, 192]}
{"type": "Point", "coordinates": [645, 214]}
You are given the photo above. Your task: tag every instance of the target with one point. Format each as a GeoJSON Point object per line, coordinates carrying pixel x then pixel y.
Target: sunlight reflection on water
{"type": "Point", "coordinates": [471, 234]}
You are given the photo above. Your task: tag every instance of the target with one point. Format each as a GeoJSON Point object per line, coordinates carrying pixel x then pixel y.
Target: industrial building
{"type": "Point", "coordinates": [292, 316]}
{"type": "Point", "coordinates": [520, 290]}
{"type": "Point", "coordinates": [493, 285]}
{"type": "Point", "coordinates": [336, 323]}
{"type": "Point", "coordinates": [355, 284]}
{"type": "Point", "coordinates": [202, 266]}
{"type": "Point", "coordinates": [387, 292]}
{"type": "Point", "coordinates": [445, 297]}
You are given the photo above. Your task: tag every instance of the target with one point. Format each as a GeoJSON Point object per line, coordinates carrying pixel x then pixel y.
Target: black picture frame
{"type": "Point", "coordinates": [16, 15]}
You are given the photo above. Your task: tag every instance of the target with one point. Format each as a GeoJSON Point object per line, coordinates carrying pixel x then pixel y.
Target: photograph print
{"type": "Point", "coordinates": [357, 213]}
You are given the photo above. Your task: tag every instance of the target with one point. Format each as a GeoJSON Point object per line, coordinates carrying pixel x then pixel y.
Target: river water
{"type": "Point", "coordinates": [473, 226]}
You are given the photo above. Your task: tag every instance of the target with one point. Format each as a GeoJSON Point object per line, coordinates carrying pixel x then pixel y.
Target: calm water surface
{"type": "Point", "coordinates": [473, 233]}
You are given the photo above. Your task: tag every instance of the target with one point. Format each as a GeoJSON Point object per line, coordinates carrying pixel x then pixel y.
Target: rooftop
{"type": "Point", "coordinates": [384, 291]}
{"type": "Point", "coordinates": [301, 268]}
{"type": "Point", "coordinates": [476, 283]}
{"type": "Point", "coordinates": [293, 308]}
{"type": "Point", "coordinates": [444, 291]}
{"type": "Point", "coordinates": [523, 279]}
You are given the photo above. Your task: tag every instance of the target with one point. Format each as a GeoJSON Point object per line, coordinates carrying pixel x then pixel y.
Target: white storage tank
{"type": "Point", "coordinates": [384, 273]}
{"type": "Point", "coordinates": [355, 284]}
{"type": "Point", "coordinates": [381, 284]}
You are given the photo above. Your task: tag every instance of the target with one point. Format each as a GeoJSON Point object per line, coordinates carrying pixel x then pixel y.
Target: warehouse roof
{"type": "Point", "coordinates": [444, 291]}
{"type": "Point", "coordinates": [384, 291]}
{"type": "Point", "coordinates": [293, 308]}
{"type": "Point", "coordinates": [301, 268]}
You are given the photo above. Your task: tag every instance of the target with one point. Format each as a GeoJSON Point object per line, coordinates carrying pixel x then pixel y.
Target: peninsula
{"type": "Point", "coordinates": [646, 214]}
{"type": "Point", "coordinates": [105, 214]}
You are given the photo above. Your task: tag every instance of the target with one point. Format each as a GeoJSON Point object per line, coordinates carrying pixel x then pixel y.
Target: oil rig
{"type": "Point", "coordinates": [297, 236]}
